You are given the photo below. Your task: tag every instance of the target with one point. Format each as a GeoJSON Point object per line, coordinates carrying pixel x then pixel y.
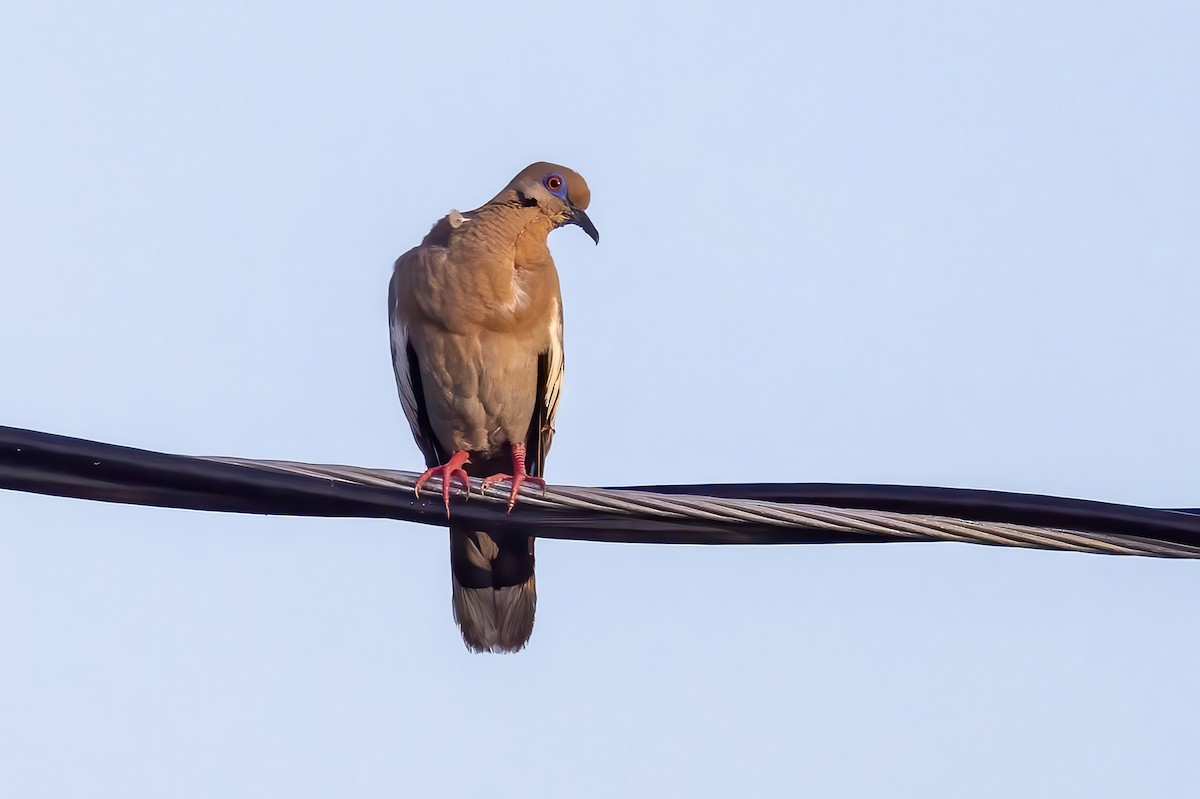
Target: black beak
{"type": "Point", "coordinates": [576, 216]}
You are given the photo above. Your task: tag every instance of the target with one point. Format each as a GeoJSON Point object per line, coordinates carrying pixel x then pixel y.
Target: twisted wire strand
{"type": "Point", "coordinates": [874, 523]}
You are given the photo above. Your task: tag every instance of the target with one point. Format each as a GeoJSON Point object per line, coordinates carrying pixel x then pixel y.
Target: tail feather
{"type": "Point", "coordinates": [494, 589]}
{"type": "Point", "coordinates": [495, 619]}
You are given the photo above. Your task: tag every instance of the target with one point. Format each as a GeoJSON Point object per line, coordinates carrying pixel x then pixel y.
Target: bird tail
{"type": "Point", "coordinates": [495, 592]}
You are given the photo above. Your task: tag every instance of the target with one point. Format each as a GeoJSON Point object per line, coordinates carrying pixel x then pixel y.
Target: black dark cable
{"type": "Point", "coordinates": [58, 465]}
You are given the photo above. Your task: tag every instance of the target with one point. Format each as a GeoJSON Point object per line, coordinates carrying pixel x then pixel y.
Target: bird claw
{"type": "Point", "coordinates": [448, 472]}
{"type": "Point", "coordinates": [517, 480]}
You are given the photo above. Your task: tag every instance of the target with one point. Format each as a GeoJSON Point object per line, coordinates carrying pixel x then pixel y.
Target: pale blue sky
{"type": "Point", "coordinates": [923, 243]}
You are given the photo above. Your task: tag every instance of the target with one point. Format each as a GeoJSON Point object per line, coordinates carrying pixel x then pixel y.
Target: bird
{"type": "Point", "coordinates": [476, 323]}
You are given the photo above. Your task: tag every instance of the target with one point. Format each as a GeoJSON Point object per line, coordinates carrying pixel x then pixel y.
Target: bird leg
{"type": "Point", "coordinates": [518, 476]}
{"type": "Point", "coordinates": [452, 469]}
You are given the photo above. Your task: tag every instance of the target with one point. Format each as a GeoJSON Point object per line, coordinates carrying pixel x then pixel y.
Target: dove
{"type": "Point", "coordinates": [476, 321]}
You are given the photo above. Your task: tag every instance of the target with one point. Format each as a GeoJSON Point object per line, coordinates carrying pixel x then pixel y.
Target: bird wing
{"type": "Point", "coordinates": [406, 365]}
{"type": "Point", "coordinates": [549, 386]}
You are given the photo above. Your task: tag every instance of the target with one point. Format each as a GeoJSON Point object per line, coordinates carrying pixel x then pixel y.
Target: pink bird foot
{"type": "Point", "coordinates": [518, 477]}
{"type": "Point", "coordinates": [451, 470]}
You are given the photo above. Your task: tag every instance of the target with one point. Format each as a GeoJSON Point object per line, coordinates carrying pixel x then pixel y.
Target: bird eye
{"type": "Point", "coordinates": [554, 182]}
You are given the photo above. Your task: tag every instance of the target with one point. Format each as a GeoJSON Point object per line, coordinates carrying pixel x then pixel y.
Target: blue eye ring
{"type": "Point", "coordinates": [555, 184]}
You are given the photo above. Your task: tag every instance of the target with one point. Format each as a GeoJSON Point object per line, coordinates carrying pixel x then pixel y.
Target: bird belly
{"type": "Point", "coordinates": [481, 392]}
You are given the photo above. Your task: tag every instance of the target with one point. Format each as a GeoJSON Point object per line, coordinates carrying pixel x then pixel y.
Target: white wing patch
{"type": "Point", "coordinates": [554, 375]}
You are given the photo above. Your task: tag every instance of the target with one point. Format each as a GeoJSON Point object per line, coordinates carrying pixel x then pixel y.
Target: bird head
{"type": "Point", "coordinates": [560, 193]}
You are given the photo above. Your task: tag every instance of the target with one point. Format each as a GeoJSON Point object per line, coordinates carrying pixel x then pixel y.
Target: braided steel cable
{"type": "Point", "coordinates": [897, 526]}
